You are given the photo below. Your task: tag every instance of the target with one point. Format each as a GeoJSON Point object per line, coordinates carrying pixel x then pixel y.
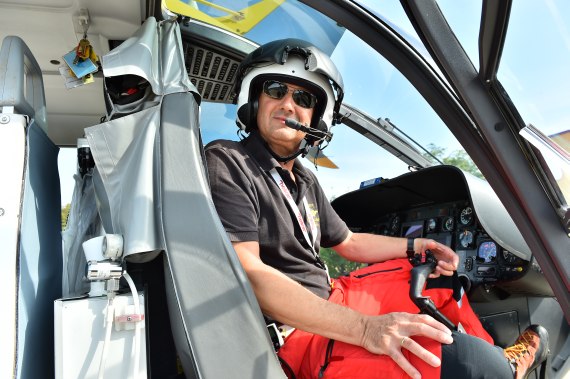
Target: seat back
{"type": "Point", "coordinates": [217, 324]}
{"type": "Point", "coordinates": [30, 218]}
{"type": "Point", "coordinates": [152, 175]}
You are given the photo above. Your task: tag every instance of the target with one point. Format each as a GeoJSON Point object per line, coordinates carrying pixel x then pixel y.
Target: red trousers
{"type": "Point", "coordinates": [375, 290]}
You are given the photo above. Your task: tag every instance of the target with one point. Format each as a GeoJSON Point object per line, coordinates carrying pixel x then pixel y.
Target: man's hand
{"type": "Point", "coordinates": [287, 301]}
{"type": "Point", "coordinates": [447, 260]}
{"type": "Point", "coordinates": [389, 334]}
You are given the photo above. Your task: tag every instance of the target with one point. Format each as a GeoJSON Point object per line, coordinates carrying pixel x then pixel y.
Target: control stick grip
{"type": "Point", "coordinates": [420, 274]}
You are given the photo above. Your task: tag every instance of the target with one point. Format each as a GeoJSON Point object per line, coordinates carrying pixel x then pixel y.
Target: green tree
{"type": "Point", "coordinates": [64, 215]}
{"type": "Point", "coordinates": [338, 266]}
{"type": "Point", "coordinates": [457, 158]}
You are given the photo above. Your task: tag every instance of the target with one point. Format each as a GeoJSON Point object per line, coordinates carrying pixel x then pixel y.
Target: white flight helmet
{"type": "Point", "coordinates": [297, 62]}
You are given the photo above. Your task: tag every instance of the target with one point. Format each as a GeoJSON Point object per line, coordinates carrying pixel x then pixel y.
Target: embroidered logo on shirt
{"type": "Point", "coordinates": [314, 212]}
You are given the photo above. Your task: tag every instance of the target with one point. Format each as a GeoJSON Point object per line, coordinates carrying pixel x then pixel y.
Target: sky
{"type": "Point", "coordinates": [533, 66]}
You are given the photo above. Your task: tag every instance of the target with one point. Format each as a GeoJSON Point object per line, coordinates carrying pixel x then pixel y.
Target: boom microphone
{"type": "Point", "coordinates": [317, 134]}
{"type": "Point", "coordinates": [292, 123]}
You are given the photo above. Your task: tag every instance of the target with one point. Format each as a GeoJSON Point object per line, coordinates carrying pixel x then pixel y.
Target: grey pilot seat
{"type": "Point", "coordinates": [152, 188]}
{"type": "Point", "coordinates": [30, 217]}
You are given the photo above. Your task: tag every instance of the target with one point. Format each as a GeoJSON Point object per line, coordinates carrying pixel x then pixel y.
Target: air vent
{"type": "Point", "coordinates": [213, 74]}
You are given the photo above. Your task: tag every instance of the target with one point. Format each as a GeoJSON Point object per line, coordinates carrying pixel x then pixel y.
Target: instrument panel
{"type": "Point", "coordinates": [443, 211]}
{"type": "Point", "coordinates": [455, 224]}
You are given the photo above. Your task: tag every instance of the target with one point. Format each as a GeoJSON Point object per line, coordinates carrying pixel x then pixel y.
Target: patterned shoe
{"type": "Point", "coordinates": [528, 351]}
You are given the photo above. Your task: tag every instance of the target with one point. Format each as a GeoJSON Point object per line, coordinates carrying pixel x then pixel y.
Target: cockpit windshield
{"type": "Point", "coordinates": [371, 83]}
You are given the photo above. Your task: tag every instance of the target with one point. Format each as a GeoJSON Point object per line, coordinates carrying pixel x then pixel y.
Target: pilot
{"type": "Point", "coordinates": [277, 217]}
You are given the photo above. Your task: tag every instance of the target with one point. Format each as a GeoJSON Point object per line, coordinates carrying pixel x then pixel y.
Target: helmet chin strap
{"type": "Point", "coordinates": [303, 150]}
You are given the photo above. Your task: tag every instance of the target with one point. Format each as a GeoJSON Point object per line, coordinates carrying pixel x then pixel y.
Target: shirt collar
{"type": "Point", "coordinates": [256, 147]}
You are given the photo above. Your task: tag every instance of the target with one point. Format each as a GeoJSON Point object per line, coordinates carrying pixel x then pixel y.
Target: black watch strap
{"type": "Point", "coordinates": [410, 252]}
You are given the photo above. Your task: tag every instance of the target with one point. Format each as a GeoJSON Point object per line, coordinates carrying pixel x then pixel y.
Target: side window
{"type": "Point", "coordinates": [375, 87]}
{"type": "Point", "coordinates": [67, 164]}
{"type": "Point", "coordinates": [534, 63]}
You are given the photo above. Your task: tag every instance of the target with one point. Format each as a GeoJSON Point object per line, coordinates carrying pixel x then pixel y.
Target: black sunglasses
{"type": "Point", "coordinates": [278, 90]}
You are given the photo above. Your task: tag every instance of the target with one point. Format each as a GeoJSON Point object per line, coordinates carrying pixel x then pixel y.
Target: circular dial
{"type": "Point", "coordinates": [466, 216]}
{"type": "Point", "coordinates": [448, 224]}
{"type": "Point", "coordinates": [431, 225]}
{"type": "Point", "coordinates": [509, 257]}
{"type": "Point", "coordinates": [466, 238]}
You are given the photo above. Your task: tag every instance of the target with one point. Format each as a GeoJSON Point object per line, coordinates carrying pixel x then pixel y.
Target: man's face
{"type": "Point", "coordinates": [271, 115]}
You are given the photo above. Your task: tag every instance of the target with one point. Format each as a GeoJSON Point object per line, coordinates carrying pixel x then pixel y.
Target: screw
{"type": "Point", "coordinates": [4, 119]}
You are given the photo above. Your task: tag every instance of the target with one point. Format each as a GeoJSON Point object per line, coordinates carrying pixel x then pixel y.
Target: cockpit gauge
{"type": "Point", "coordinates": [487, 252]}
{"type": "Point", "coordinates": [509, 257]}
{"type": "Point", "coordinates": [448, 224]}
{"type": "Point", "coordinates": [466, 238]}
{"type": "Point", "coordinates": [431, 225]}
{"type": "Point", "coordinates": [466, 216]}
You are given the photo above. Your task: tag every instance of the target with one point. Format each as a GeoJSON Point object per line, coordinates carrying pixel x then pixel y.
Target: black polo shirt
{"type": "Point", "coordinates": [252, 208]}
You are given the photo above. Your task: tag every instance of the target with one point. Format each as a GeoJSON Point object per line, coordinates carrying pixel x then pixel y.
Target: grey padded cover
{"type": "Point", "coordinates": [152, 188]}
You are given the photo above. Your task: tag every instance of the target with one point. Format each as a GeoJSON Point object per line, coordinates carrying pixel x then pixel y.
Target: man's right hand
{"type": "Point", "coordinates": [287, 301]}
{"type": "Point", "coordinates": [389, 334]}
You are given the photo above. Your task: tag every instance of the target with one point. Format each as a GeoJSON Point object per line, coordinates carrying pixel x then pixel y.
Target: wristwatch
{"type": "Point", "coordinates": [410, 252]}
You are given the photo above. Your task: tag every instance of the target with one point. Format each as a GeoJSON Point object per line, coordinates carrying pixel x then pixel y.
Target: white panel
{"type": "Point", "coordinates": [12, 152]}
{"type": "Point", "coordinates": [49, 35]}
{"type": "Point", "coordinates": [79, 336]}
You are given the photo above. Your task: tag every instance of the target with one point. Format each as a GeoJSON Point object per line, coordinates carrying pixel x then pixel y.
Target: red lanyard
{"type": "Point", "coordinates": [310, 218]}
